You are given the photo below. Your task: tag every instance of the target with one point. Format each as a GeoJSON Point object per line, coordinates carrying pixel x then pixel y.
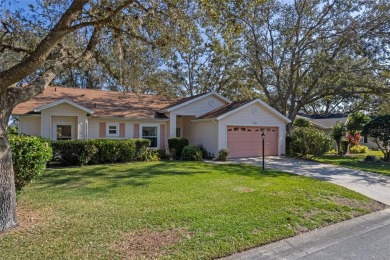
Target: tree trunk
{"type": "Point", "coordinates": [7, 184]}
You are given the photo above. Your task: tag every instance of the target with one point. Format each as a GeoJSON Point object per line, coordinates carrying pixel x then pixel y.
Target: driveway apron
{"type": "Point", "coordinates": [372, 185]}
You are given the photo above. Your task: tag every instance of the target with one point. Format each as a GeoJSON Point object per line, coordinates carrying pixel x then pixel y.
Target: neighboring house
{"type": "Point", "coordinates": [326, 123]}
{"type": "Point", "coordinates": [208, 119]}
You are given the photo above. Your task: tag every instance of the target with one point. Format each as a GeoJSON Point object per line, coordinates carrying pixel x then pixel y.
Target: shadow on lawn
{"type": "Point", "coordinates": [138, 174]}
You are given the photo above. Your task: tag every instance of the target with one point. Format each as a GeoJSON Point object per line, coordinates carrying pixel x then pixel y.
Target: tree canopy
{"type": "Point", "coordinates": [378, 129]}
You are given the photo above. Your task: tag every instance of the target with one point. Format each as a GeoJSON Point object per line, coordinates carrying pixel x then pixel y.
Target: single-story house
{"type": "Point", "coordinates": [326, 123]}
{"type": "Point", "coordinates": [207, 119]}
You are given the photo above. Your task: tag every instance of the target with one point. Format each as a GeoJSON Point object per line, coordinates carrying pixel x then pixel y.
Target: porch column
{"type": "Point", "coordinates": [172, 125]}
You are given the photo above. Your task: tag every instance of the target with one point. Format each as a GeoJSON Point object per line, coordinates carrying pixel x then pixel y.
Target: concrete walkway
{"type": "Point", "coordinates": [372, 185]}
{"type": "Point", "coordinates": [365, 237]}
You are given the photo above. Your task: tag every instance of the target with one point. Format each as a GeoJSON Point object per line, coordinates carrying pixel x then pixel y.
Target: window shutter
{"type": "Point", "coordinates": [162, 136]}
{"type": "Point", "coordinates": [122, 128]}
{"type": "Point", "coordinates": [102, 130]}
{"type": "Point", "coordinates": [136, 131]}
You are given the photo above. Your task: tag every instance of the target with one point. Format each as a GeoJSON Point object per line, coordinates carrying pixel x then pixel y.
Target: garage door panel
{"type": "Point", "coordinates": [247, 141]}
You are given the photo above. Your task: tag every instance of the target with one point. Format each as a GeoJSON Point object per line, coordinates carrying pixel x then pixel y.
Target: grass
{"type": "Point", "coordinates": [182, 210]}
{"type": "Point", "coordinates": [356, 161]}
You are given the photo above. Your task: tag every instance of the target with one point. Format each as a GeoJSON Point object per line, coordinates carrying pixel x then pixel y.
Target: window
{"type": "Point", "coordinates": [150, 132]}
{"type": "Point", "coordinates": [112, 129]}
{"type": "Point", "coordinates": [64, 132]}
{"type": "Point", "coordinates": [178, 132]}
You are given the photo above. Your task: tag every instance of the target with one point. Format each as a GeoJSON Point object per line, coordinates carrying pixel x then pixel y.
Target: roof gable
{"type": "Point", "coordinates": [188, 100]}
{"type": "Point", "coordinates": [62, 101]}
{"type": "Point", "coordinates": [234, 107]}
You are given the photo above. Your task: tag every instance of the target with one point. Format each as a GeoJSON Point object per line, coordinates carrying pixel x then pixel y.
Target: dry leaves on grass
{"type": "Point", "coordinates": [28, 218]}
{"type": "Point", "coordinates": [147, 244]}
{"type": "Point", "coordinates": [372, 206]}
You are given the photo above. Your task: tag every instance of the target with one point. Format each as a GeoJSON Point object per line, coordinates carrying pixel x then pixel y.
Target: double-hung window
{"type": "Point", "coordinates": [112, 129]}
{"type": "Point", "coordinates": [151, 132]}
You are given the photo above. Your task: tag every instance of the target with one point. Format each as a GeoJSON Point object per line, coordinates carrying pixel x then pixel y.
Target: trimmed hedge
{"type": "Point", "coordinates": [176, 146]}
{"type": "Point", "coordinates": [100, 151]}
{"type": "Point", "coordinates": [74, 152]}
{"type": "Point", "coordinates": [29, 156]}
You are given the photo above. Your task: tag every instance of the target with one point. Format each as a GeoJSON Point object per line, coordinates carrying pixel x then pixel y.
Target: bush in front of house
{"type": "Point", "coordinates": [223, 154]}
{"type": "Point", "coordinates": [73, 152]}
{"type": "Point", "coordinates": [99, 151]}
{"type": "Point", "coordinates": [29, 156]}
{"type": "Point", "coordinates": [358, 149]}
{"type": "Point", "coordinates": [206, 154]}
{"type": "Point", "coordinates": [176, 146]}
{"type": "Point", "coordinates": [310, 141]}
{"type": "Point", "coordinates": [192, 153]}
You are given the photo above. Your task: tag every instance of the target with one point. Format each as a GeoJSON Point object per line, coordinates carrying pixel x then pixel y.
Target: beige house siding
{"type": "Point", "coordinates": [202, 133]}
{"type": "Point", "coordinates": [49, 115]}
{"type": "Point", "coordinates": [71, 120]}
{"type": "Point", "coordinates": [195, 108]}
{"type": "Point", "coordinates": [30, 125]}
{"type": "Point", "coordinates": [253, 115]}
{"type": "Point", "coordinates": [93, 128]}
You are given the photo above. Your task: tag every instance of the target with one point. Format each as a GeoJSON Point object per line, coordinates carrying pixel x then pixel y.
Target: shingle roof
{"type": "Point", "coordinates": [183, 100]}
{"type": "Point", "coordinates": [223, 110]}
{"type": "Point", "coordinates": [103, 103]}
{"type": "Point", "coordinates": [328, 123]}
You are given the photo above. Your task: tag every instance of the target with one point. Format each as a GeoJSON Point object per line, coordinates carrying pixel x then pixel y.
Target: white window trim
{"type": "Point", "coordinates": [158, 133]}
{"type": "Point", "coordinates": [56, 124]}
{"type": "Point", "coordinates": [108, 132]}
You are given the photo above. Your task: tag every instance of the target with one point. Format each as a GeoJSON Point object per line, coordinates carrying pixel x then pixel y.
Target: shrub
{"type": "Point", "coordinates": [358, 149]}
{"type": "Point", "coordinates": [332, 152]}
{"type": "Point", "coordinates": [192, 153]}
{"type": "Point", "coordinates": [29, 155]}
{"type": "Point", "coordinates": [73, 152]}
{"type": "Point", "coordinates": [206, 154]}
{"type": "Point", "coordinates": [97, 151]}
{"type": "Point", "coordinates": [107, 151]}
{"type": "Point", "coordinates": [162, 154]}
{"type": "Point", "coordinates": [308, 140]}
{"type": "Point", "coordinates": [176, 146]}
{"type": "Point", "coordinates": [147, 155]}
{"type": "Point", "coordinates": [223, 154]}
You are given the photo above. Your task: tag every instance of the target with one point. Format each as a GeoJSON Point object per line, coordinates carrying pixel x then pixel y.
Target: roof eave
{"type": "Point", "coordinates": [268, 107]}
{"type": "Point", "coordinates": [62, 101]}
{"type": "Point", "coordinates": [193, 100]}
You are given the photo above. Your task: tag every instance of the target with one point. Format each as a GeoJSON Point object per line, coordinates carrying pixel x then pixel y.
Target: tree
{"type": "Point", "coordinates": [337, 134]}
{"type": "Point", "coordinates": [305, 51]}
{"type": "Point", "coordinates": [378, 129]}
{"type": "Point", "coordinates": [355, 124]}
{"type": "Point", "coordinates": [38, 46]}
{"type": "Point", "coordinates": [302, 122]}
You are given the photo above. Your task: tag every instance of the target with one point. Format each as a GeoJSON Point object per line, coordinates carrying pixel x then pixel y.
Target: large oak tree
{"type": "Point", "coordinates": [36, 46]}
{"type": "Point", "coordinates": [308, 51]}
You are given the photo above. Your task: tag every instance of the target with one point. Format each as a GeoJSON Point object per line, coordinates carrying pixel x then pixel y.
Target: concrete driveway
{"type": "Point", "coordinates": [372, 185]}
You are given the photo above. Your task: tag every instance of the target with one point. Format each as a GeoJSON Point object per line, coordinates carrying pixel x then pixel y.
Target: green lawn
{"type": "Point", "coordinates": [179, 210]}
{"type": "Point", "coordinates": [356, 161]}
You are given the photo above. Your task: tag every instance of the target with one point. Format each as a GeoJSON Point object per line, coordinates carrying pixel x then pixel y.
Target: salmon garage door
{"type": "Point", "coordinates": [246, 141]}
